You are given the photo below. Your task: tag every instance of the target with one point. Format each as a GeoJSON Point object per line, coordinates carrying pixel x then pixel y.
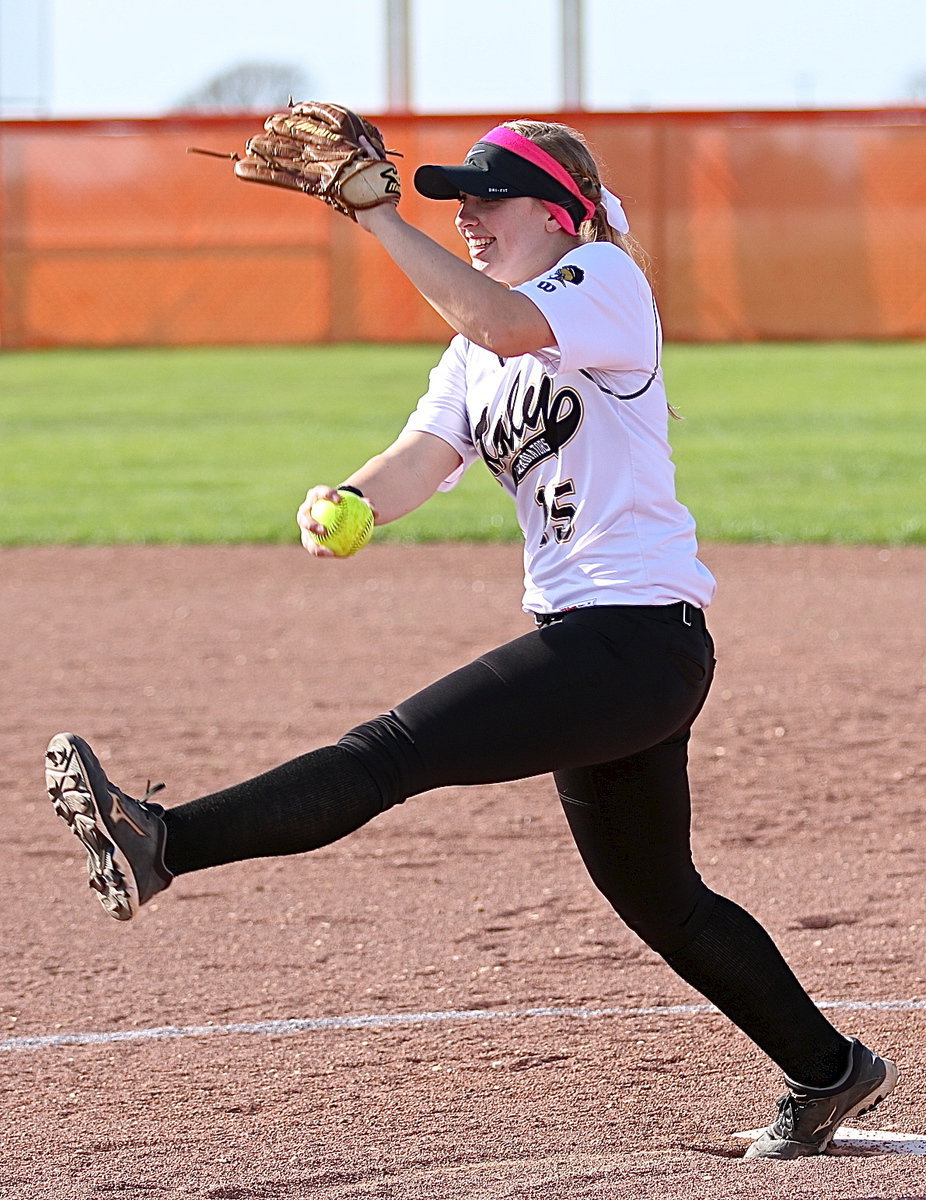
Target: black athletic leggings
{"type": "Point", "coordinates": [604, 699]}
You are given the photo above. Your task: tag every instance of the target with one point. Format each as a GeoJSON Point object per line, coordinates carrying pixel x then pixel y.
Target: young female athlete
{"type": "Point", "coordinates": [554, 381]}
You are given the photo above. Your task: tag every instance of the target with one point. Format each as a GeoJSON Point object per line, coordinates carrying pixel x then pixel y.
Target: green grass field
{"type": "Point", "coordinates": [784, 443]}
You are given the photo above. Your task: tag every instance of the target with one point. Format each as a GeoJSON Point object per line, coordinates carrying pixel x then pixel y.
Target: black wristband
{"type": "Point", "coordinates": [346, 487]}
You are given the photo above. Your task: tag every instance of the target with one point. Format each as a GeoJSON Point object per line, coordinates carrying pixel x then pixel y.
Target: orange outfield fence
{"type": "Point", "coordinates": [761, 225]}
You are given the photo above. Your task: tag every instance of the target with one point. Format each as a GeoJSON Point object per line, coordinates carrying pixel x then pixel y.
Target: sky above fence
{"type": "Point", "coordinates": [73, 58]}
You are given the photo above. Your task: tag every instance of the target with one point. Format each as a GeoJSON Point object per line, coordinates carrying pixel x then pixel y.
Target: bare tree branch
{"type": "Point", "coordinates": [257, 86]}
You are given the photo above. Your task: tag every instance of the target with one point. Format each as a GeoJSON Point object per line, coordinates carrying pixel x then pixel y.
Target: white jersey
{"type": "Point", "coordinates": [577, 434]}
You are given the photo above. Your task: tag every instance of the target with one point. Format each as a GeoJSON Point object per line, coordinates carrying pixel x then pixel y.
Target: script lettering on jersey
{"type": "Point", "coordinates": [534, 425]}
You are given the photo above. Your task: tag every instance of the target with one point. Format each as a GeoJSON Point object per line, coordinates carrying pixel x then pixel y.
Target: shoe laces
{"type": "Point", "coordinates": [793, 1107]}
{"type": "Point", "coordinates": [151, 789]}
{"type": "Point", "coordinates": [788, 1112]}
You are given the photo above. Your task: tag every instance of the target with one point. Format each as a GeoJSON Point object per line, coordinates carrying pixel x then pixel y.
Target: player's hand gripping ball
{"type": "Point", "coordinates": [348, 525]}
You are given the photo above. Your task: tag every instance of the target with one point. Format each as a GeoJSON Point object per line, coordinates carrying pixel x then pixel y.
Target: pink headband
{"type": "Point", "coordinates": [508, 139]}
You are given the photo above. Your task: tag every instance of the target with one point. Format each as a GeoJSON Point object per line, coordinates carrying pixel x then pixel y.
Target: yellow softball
{"type": "Point", "coordinates": [348, 525]}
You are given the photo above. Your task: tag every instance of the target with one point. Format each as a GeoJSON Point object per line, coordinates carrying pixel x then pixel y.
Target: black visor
{"type": "Point", "coordinates": [494, 173]}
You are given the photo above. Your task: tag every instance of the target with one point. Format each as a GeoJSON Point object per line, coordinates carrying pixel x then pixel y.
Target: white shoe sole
{"type": "Point", "coordinates": [70, 789]}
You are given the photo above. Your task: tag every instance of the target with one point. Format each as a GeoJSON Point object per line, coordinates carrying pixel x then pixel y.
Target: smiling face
{"type": "Point", "coordinates": [511, 240]}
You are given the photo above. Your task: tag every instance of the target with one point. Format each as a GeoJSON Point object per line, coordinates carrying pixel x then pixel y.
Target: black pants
{"type": "Point", "coordinates": [604, 699]}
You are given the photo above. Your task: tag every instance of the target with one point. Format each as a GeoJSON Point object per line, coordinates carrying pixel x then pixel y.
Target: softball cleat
{"type": "Point", "coordinates": [124, 838]}
{"type": "Point", "coordinates": [808, 1118]}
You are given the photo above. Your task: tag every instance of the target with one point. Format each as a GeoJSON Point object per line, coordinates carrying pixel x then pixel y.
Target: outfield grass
{"type": "Point", "coordinates": [779, 442]}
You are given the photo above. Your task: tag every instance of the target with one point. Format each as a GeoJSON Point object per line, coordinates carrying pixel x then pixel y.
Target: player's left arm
{"type": "Point", "coordinates": [329, 152]}
{"type": "Point", "coordinates": [485, 312]}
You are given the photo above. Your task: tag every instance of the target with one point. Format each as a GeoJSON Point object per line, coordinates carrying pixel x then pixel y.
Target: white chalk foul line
{"type": "Point", "coordinates": [386, 1020]}
{"type": "Point", "coordinates": [317, 1024]}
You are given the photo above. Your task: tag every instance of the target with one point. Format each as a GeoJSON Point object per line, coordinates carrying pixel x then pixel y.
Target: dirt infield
{"type": "Point", "coordinates": [450, 921]}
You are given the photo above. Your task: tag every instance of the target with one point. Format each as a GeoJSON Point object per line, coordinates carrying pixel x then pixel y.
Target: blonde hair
{"type": "Point", "coordinates": [572, 152]}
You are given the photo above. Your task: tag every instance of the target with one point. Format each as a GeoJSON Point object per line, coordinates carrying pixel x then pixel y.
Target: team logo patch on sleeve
{"type": "Point", "coordinates": [569, 274]}
{"type": "Point", "coordinates": [563, 275]}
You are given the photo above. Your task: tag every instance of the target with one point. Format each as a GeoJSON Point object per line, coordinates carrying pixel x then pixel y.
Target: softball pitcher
{"type": "Point", "coordinates": [553, 380]}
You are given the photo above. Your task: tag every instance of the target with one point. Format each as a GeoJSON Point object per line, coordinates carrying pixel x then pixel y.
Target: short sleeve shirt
{"type": "Point", "coordinates": [577, 434]}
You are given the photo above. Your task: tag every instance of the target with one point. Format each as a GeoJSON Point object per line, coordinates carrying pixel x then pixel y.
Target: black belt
{"type": "Point", "coordinates": [681, 611]}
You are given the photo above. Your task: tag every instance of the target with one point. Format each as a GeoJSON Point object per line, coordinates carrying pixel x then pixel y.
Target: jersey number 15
{"type": "Point", "coordinates": [558, 516]}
